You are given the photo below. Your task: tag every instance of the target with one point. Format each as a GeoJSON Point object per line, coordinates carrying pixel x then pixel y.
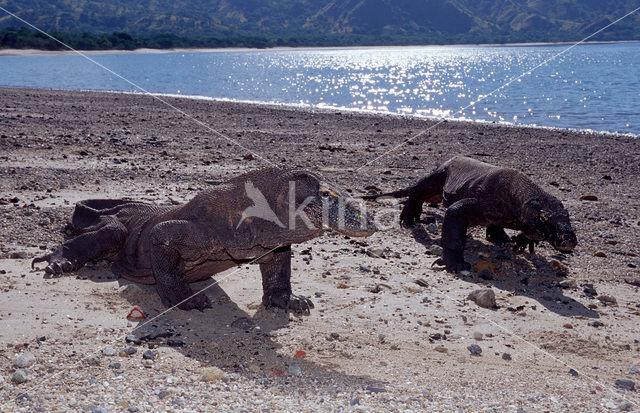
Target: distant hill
{"type": "Point", "coordinates": [280, 22]}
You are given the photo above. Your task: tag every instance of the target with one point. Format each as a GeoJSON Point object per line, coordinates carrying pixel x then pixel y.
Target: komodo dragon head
{"type": "Point", "coordinates": [546, 219]}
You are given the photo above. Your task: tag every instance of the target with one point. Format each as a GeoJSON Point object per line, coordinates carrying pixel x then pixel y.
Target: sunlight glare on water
{"type": "Point", "coordinates": [589, 87]}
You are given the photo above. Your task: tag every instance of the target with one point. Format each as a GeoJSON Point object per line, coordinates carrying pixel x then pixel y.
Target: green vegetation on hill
{"type": "Point", "coordinates": [124, 24]}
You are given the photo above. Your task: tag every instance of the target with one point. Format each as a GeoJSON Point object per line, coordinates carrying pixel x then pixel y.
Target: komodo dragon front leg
{"type": "Point", "coordinates": [94, 245]}
{"type": "Point", "coordinates": [454, 233]}
{"type": "Point", "coordinates": [172, 242]}
{"type": "Point", "coordinates": [276, 282]}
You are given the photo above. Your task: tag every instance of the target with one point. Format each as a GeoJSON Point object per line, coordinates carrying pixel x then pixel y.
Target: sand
{"type": "Point", "coordinates": [377, 340]}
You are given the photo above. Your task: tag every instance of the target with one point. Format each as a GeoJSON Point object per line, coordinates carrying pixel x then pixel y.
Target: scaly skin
{"type": "Point", "coordinates": [246, 219]}
{"type": "Point", "coordinates": [477, 193]}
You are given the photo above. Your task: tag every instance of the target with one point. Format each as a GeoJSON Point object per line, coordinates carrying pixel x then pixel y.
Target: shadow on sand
{"type": "Point", "coordinates": [538, 279]}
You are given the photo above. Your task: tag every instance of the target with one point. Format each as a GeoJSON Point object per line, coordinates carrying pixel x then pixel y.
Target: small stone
{"type": "Point", "coordinates": [597, 324]}
{"type": "Point", "coordinates": [115, 365]}
{"type": "Point", "coordinates": [163, 394]}
{"type": "Point", "coordinates": [506, 356]}
{"type": "Point", "coordinates": [568, 284]}
{"type": "Point", "coordinates": [19, 376]}
{"type": "Point", "coordinates": [254, 368]}
{"type": "Point", "coordinates": [465, 273]}
{"type": "Point", "coordinates": [625, 384]}
{"type": "Point", "coordinates": [477, 335]}
{"type": "Point", "coordinates": [175, 343]}
{"type": "Point", "coordinates": [588, 198]}
{"type": "Point", "coordinates": [432, 228]}
{"type": "Point", "coordinates": [132, 409]}
{"type": "Point", "coordinates": [626, 406]}
{"type": "Point", "coordinates": [608, 300]}
{"type": "Point", "coordinates": [567, 325]}
{"type": "Point", "coordinates": [295, 370]}
{"type": "Point", "coordinates": [242, 323]}
{"type": "Point", "coordinates": [355, 402]}
{"type": "Point", "coordinates": [375, 389]}
{"type": "Point", "coordinates": [573, 372]}
{"type": "Point", "coordinates": [130, 351]}
{"type": "Point", "coordinates": [485, 298]}
{"type": "Point", "coordinates": [23, 360]}
{"type": "Point", "coordinates": [633, 370]}
{"type": "Point", "coordinates": [600, 254]}
{"type": "Point", "coordinates": [475, 349]}
{"type": "Point", "coordinates": [376, 253]}
{"type": "Point", "coordinates": [133, 339]}
{"type": "Point", "coordinates": [212, 374]}
{"type": "Point", "coordinates": [435, 250]}
{"type": "Point", "coordinates": [149, 355]}
{"type": "Point", "coordinates": [99, 409]}
{"type": "Point", "coordinates": [109, 351]}
{"type": "Point", "coordinates": [559, 267]}
{"type": "Point", "coordinates": [441, 349]}
{"type": "Point", "coordinates": [589, 289]}
{"type": "Point", "coordinates": [333, 336]}
{"type": "Point", "coordinates": [364, 268]}
{"type": "Point", "coordinates": [92, 361]}
{"type": "Point", "coordinates": [19, 255]}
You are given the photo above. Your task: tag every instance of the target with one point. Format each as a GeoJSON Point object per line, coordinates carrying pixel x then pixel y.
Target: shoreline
{"type": "Point", "coordinates": [38, 52]}
{"type": "Point", "coordinates": [391, 323]}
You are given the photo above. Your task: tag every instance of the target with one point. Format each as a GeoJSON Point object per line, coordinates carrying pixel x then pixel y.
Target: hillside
{"type": "Point", "coordinates": [348, 21]}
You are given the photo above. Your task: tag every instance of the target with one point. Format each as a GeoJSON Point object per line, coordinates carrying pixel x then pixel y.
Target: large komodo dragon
{"type": "Point", "coordinates": [477, 193]}
{"type": "Point", "coordinates": [252, 217]}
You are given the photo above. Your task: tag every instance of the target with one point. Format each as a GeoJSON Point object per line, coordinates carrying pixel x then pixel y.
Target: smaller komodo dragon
{"type": "Point", "coordinates": [477, 193]}
{"type": "Point", "coordinates": [254, 217]}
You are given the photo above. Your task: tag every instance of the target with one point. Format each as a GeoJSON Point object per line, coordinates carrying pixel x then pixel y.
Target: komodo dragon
{"type": "Point", "coordinates": [477, 193]}
{"type": "Point", "coordinates": [252, 217]}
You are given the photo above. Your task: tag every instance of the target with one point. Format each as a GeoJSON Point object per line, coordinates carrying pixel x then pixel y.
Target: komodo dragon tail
{"type": "Point", "coordinates": [402, 193]}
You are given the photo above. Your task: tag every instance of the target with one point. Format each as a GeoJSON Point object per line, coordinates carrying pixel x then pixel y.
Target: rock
{"type": "Point", "coordinates": [115, 365]}
{"type": "Point", "coordinates": [432, 228]}
{"type": "Point", "coordinates": [376, 253]}
{"type": "Point", "coordinates": [597, 324]}
{"type": "Point", "coordinates": [155, 333]}
{"type": "Point", "coordinates": [131, 292]}
{"type": "Point", "coordinates": [242, 323]}
{"type": "Point", "coordinates": [18, 255]}
{"type": "Point", "coordinates": [567, 284]}
{"type": "Point", "coordinates": [149, 355]}
{"type": "Point", "coordinates": [333, 336]}
{"type": "Point", "coordinates": [23, 360]}
{"type": "Point", "coordinates": [485, 298]}
{"type": "Point", "coordinates": [92, 361]}
{"type": "Point", "coordinates": [435, 250]}
{"type": "Point", "coordinates": [608, 300]}
{"type": "Point", "coordinates": [19, 376]}
{"type": "Point", "coordinates": [132, 409]}
{"type": "Point", "coordinates": [600, 254]}
{"type": "Point", "coordinates": [477, 335]}
{"type": "Point", "coordinates": [625, 384]}
{"type": "Point", "coordinates": [465, 273]}
{"type": "Point", "coordinates": [163, 394]}
{"type": "Point", "coordinates": [484, 265]}
{"type": "Point", "coordinates": [355, 402]}
{"type": "Point", "coordinates": [633, 370]}
{"type": "Point", "coordinates": [475, 349]}
{"type": "Point", "coordinates": [133, 339]}
{"type": "Point", "coordinates": [558, 267]}
{"type": "Point", "coordinates": [99, 409]}
{"type": "Point", "coordinates": [175, 343]}
{"type": "Point", "coordinates": [506, 356]}
{"type": "Point", "coordinates": [295, 370]}
{"type": "Point", "coordinates": [589, 289]}
{"type": "Point", "coordinates": [588, 198]}
{"type": "Point", "coordinates": [364, 268]}
{"type": "Point", "coordinates": [441, 349]}
{"type": "Point", "coordinates": [130, 351]}
{"type": "Point", "coordinates": [212, 374]}
{"type": "Point", "coordinates": [375, 389]}
{"type": "Point", "coordinates": [109, 351]}
{"type": "Point", "coordinates": [626, 406]}
{"type": "Point", "coordinates": [573, 372]}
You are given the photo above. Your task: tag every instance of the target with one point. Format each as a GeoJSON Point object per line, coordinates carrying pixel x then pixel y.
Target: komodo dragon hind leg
{"type": "Point", "coordinates": [522, 241]}
{"type": "Point", "coordinates": [168, 239]}
{"type": "Point", "coordinates": [454, 234]}
{"type": "Point", "coordinates": [497, 235]}
{"type": "Point", "coordinates": [94, 245]}
{"type": "Point", "coordinates": [276, 283]}
{"type": "Point", "coordinates": [429, 189]}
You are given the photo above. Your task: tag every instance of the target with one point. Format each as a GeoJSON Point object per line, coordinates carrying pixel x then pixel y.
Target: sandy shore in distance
{"type": "Point", "coordinates": [377, 340]}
